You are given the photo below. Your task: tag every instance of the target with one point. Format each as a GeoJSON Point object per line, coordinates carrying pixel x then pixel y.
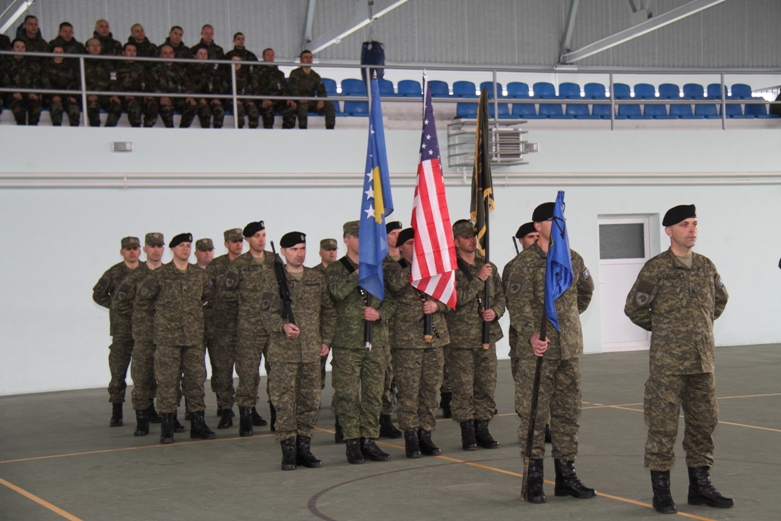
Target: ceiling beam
{"type": "Point", "coordinates": [566, 41]}
{"type": "Point", "coordinates": [364, 12]}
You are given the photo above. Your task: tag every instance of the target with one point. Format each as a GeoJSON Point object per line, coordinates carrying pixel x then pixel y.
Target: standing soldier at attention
{"type": "Point", "coordinates": [387, 429]}
{"type": "Point", "coordinates": [178, 292]}
{"type": "Point", "coordinates": [473, 368]}
{"type": "Point", "coordinates": [130, 77]}
{"type": "Point", "coordinates": [327, 254]}
{"type": "Point", "coordinates": [108, 45]}
{"type": "Point", "coordinates": [222, 350]}
{"type": "Point", "coordinates": [677, 296]}
{"type": "Point", "coordinates": [61, 75]}
{"type": "Point", "coordinates": [268, 80]}
{"type": "Point", "coordinates": [559, 394]}
{"type": "Point", "coordinates": [417, 362]}
{"type": "Point", "coordinates": [105, 294]}
{"type": "Point", "coordinates": [244, 282]}
{"type": "Point", "coordinates": [358, 370]}
{"type": "Point", "coordinates": [306, 82]}
{"type": "Point", "coordinates": [301, 331]}
{"type": "Point", "coordinates": [526, 235]}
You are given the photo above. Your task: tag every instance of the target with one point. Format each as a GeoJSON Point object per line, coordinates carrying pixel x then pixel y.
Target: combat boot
{"type": "Point", "coordinates": [534, 490]}
{"type": "Point", "coordinates": [245, 421]}
{"type": "Point", "coordinates": [199, 429]}
{"type": "Point", "coordinates": [151, 413]}
{"type": "Point", "coordinates": [412, 444]}
{"type": "Point", "coordinates": [167, 428]}
{"type": "Point", "coordinates": [702, 492]}
{"type": "Point", "coordinates": [484, 438]}
{"type": "Point", "coordinates": [142, 424]}
{"type": "Point", "coordinates": [354, 454]}
{"type": "Point", "coordinates": [116, 415]}
{"type": "Point", "coordinates": [468, 440]}
{"type": "Point", "coordinates": [338, 434]}
{"type": "Point", "coordinates": [663, 500]}
{"type": "Point", "coordinates": [226, 420]}
{"type": "Point", "coordinates": [178, 427]}
{"type": "Point", "coordinates": [444, 403]}
{"type": "Point", "coordinates": [568, 483]}
{"type": "Point", "coordinates": [387, 429]}
{"type": "Point", "coordinates": [289, 453]}
{"type": "Point", "coordinates": [273, 418]}
{"type": "Point", "coordinates": [371, 451]}
{"type": "Point", "coordinates": [304, 454]}
{"type": "Point", "coordinates": [427, 447]}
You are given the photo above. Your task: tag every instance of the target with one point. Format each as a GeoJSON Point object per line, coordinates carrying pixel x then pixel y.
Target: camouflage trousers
{"type": "Point", "coordinates": [132, 105]}
{"type": "Point", "coordinates": [26, 111]}
{"type": "Point", "coordinates": [447, 379]}
{"type": "Point", "coordinates": [323, 362]}
{"type": "Point", "coordinates": [473, 382]}
{"type": "Point", "coordinates": [281, 106]}
{"type": "Point", "coordinates": [175, 366]}
{"type": "Point", "coordinates": [248, 357]}
{"type": "Point", "coordinates": [358, 377]}
{"type": "Point", "coordinates": [114, 110]}
{"type": "Point", "coordinates": [559, 396]}
{"type": "Point", "coordinates": [295, 392]}
{"type": "Point", "coordinates": [664, 397]}
{"type": "Point", "coordinates": [305, 107]}
{"type": "Point", "coordinates": [419, 377]}
{"type": "Point", "coordinates": [222, 355]}
{"type": "Point", "coordinates": [388, 385]}
{"type": "Point", "coordinates": [207, 110]}
{"type": "Point", "coordinates": [56, 109]}
{"type": "Point", "coordinates": [249, 108]}
{"type": "Point", "coordinates": [142, 371]}
{"type": "Point", "coordinates": [119, 355]}
{"type": "Point", "coordinates": [153, 107]}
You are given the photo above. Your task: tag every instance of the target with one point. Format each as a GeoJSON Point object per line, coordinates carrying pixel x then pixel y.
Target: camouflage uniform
{"type": "Point", "coordinates": [62, 76]}
{"type": "Point", "coordinates": [163, 79]}
{"type": "Point", "coordinates": [177, 299]}
{"type": "Point", "coordinates": [323, 359]}
{"type": "Point", "coordinates": [180, 51]}
{"type": "Point", "coordinates": [294, 381]}
{"type": "Point", "coordinates": [245, 55]}
{"type": "Point", "coordinates": [71, 47]}
{"type": "Point", "coordinates": [472, 368]}
{"type": "Point", "coordinates": [36, 44]}
{"type": "Point", "coordinates": [22, 73]}
{"type": "Point", "coordinates": [560, 378]}
{"type": "Point", "coordinates": [108, 45]}
{"type": "Point", "coordinates": [270, 81]}
{"type": "Point", "coordinates": [678, 304]}
{"type": "Point", "coordinates": [98, 76]}
{"type": "Point", "coordinates": [243, 86]}
{"type": "Point", "coordinates": [107, 293]}
{"type": "Point", "coordinates": [145, 49]}
{"type": "Point", "coordinates": [389, 385]}
{"type": "Point", "coordinates": [214, 50]}
{"type": "Point", "coordinates": [130, 77]}
{"type": "Point", "coordinates": [417, 365]}
{"type": "Point", "coordinates": [206, 79]}
{"type": "Point", "coordinates": [357, 375]}
{"type": "Point", "coordinates": [303, 84]}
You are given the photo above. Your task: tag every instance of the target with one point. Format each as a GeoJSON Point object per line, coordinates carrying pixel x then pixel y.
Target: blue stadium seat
{"type": "Point", "coordinates": [525, 110]}
{"type": "Point", "coordinates": [707, 110]}
{"type": "Point", "coordinates": [693, 91]}
{"type": "Point", "coordinates": [466, 110]}
{"type": "Point", "coordinates": [645, 91]}
{"type": "Point", "coordinates": [629, 112]}
{"type": "Point", "coordinates": [353, 87]}
{"type": "Point", "coordinates": [669, 91]}
{"type": "Point", "coordinates": [386, 87]}
{"type": "Point", "coordinates": [569, 90]}
{"type": "Point", "coordinates": [490, 86]}
{"type": "Point", "coordinates": [595, 91]}
{"type": "Point", "coordinates": [330, 86]}
{"type": "Point", "coordinates": [601, 111]}
{"type": "Point", "coordinates": [411, 89]}
{"type": "Point", "coordinates": [756, 110]}
{"type": "Point", "coordinates": [544, 90]}
{"type": "Point", "coordinates": [622, 91]}
{"type": "Point", "coordinates": [741, 91]}
{"type": "Point", "coordinates": [552, 111]}
{"type": "Point", "coordinates": [356, 108]}
{"type": "Point", "coordinates": [518, 90]}
{"type": "Point", "coordinates": [734, 110]}
{"type": "Point", "coordinates": [464, 89]}
{"type": "Point", "coordinates": [656, 111]}
{"type": "Point", "coordinates": [579, 111]}
{"type": "Point", "coordinates": [504, 110]}
{"type": "Point", "coordinates": [682, 111]}
{"type": "Point", "coordinates": [439, 89]}
{"type": "Point", "coordinates": [713, 91]}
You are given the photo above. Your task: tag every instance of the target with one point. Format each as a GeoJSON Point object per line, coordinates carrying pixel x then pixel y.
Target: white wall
{"type": "Point", "coordinates": [60, 240]}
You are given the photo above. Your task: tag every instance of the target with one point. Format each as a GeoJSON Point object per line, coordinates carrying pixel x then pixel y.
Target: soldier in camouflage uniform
{"type": "Point", "coordinates": [677, 296]}
{"type": "Point", "coordinates": [105, 293]}
{"type": "Point", "coordinates": [387, 429]}
{"type": "Point", "coordinates": [168, 77]}
{"type": "Point", "coordinates": [243, 87]}
{"type": "Point", "coordinates": [357, 373]}
{"type": "Point", "coordinates": [98, 75]}
{"type": "Point", "coordinates": [559, 393]}
{"type": "Point", "coordinates": [31, 37]}
{"type": "Point", "coordinates": [243, 282]}
{"type": "Point", "coordinates": [142, 324]}
{"type": "Point", "coordinates": [108, 45]}
{"type": "Point", "coordinates": [144, 48]}
{"type": "Point", "coordinates": [417, 361]}
{"type": "Point", "coordinates": [177, 294]}
{"type": "Point", "coordinates": [66, 40]}
{"type": "Point", "coordinates": [222, 349]}
{"type": "Point", "coordinates": [268, 80]}
{"type": "Point", "coordinates": [327, 254]}
{"type": "Point", "coordinates": [21, 72]}
{"type": "Point", "coordinates": [306, 82]}
{"type": "Point", "coordinates": [205, 79]}
{"type": "Point", "coordinates": [175, 41]}
{"type": "Point", "coordinates": [130, 76]}
{"type": "Point", "coordinates": [207, 42]}
{"type": "Point", "coordinates": [241, 51]}
{"type": "Point", "coordinates": [59, 75]}
{"type": "Point", "coordinates": [471, 365]}
{"type": "Point", "coordinates": [297, 343]}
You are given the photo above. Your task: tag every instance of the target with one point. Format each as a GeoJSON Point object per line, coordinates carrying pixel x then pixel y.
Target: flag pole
{"type": "Point", "coordinates": [486, 295]}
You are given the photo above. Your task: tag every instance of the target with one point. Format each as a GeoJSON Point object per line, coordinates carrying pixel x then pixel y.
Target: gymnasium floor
{"type": "Point", "coordinates": [60, 460]}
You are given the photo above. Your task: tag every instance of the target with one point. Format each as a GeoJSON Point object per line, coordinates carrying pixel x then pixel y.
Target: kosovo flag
{"type": "Point", "coordinates": [376, 204]}
{"type": "Point", "coordinates": [558, 270]}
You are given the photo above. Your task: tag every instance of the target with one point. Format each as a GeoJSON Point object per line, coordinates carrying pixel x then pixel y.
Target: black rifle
{"type": "Point", "coordinates": [515, 243]}
{"type": "Point", "coordinates": [428, 322]}
{"type": "Point", "coordinates": [284, 291]}
{"type": "Point", "coordinates": [368, 330]}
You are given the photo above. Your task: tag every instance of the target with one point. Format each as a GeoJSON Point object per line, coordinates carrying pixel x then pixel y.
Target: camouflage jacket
{"type": "Point", "coordinates": [108, 45]}
{"type": "Point", "coordinates": [177, 299]}
{"type": "Point", "coordinates": [214, 50]}
{"type": "Point", "coordinates": [303, 84]}
{"type": "Point", "coordinates": [243, 53]}
{"type": "Point", "coordinates": [678, 305]}
{"type": "Point", "coordinates": [226, 307]}
{"type": "Point", "coordinates": [129, 77]}
{"type": "Point", "coordinates": [60, 76]}
{"type": "Point", "coordinates": [344, 290]}
{"type": "Point", "coordinates": [320, 268]}
{"type": "Point", "coordinates": [465, 322]}
{"type": "Point", "coordinates": [23, 74]}
{"type": "Point", "coordinates": [166, 78]}
{"type": "Point", "coordinates": [314, 314]}
{"type": "Point", "coordinates": [203, 79]}
{"type": "Point", "coordinates": [72, 47]}
{"type": "Point", "coordinates": [105, 294]}
{"type": "Point", "coordinates": [123, 305]}
{"type": "Point", "coordinates": [36, 44]}
{"type": "Point", "coordinates": [97, 75]}
{"type": "Point", "coordinates": [243, 80]}
{"type": "Point", "coordinates": [244, 282]}
{"type": "Point", "coordinates": [407, 323]}
{"type": "Point", "coordinates": [525, 285]}
{"type": "Point", "coordinates": [182, 51]}
{"type": "Point", "coordinates": [269, 80]}
{"type": "Point", "coordinates": [145, 49]}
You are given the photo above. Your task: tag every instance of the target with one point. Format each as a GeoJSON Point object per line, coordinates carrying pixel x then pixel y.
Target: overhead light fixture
{"type": "Point", "coordinates": [14, 17]}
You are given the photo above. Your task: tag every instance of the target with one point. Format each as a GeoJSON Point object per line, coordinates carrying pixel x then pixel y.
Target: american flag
{"type": "Point", "coordinates": [434, 262]}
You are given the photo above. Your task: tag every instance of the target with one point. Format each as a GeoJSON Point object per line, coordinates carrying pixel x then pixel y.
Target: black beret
{"type": "Point", "coordinates": [253, 228]}
{"type": "Point", "coordinates": [393, 225]}
{"type": "Point", "coordinates": [678, 213]}
{"type": "Point", "coordinates": [525, 230]}
{"type": "Point", "coordinates": [405, 235]}
{"type": "Point", "coordinates": [543, 212]}
{"type": "Point", "coordinates": [290, 239]}
{"type": "Point", "coordinates": [179, 239]}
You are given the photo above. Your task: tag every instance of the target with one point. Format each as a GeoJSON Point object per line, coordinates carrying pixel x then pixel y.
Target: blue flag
{"type": "Point", "coordinates": [558, 270]}
{"type": "Point", "coordinates": [376, 204]}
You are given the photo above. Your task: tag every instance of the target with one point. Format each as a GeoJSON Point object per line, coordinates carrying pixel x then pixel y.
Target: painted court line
{"type": "Point", "coordinates": [40, 501]}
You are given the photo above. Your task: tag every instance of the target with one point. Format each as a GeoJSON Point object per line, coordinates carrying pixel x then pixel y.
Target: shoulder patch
{"type": "Point", "coordinates": [265, 301]}
{"type": "Point", "coordinates": [231, 279]}
{"type": "Point", "coordinates": [641, 299]}
{"type": "Point", "coordinates": [586, 274]}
